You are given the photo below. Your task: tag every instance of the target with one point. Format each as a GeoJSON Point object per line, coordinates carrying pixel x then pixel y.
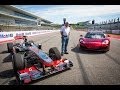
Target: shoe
{"type": "Point", "coordinates": [66, 53]}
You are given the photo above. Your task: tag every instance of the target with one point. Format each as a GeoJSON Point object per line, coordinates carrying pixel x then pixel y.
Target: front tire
{"type": "Point", "coordinates": [54, 53]}
{"type": "Point", "coordinates": [18, 62]}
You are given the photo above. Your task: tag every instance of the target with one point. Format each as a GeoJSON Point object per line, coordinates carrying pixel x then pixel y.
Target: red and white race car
{"type": "Point", "coordinates": [33, 63]}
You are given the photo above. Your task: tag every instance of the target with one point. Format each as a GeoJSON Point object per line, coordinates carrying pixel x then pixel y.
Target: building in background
{"type": "Point", "coordinates": [12, 18]}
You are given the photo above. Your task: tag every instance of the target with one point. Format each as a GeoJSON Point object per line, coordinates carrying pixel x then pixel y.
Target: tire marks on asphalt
{"type": "Point", "coordinates": [115, 60]}
{"type": "Point", "coordinates": [82, 68]}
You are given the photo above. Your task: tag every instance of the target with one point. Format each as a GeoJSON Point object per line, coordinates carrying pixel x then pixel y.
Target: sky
{"type": "Point", "coordinates": [73, 13]}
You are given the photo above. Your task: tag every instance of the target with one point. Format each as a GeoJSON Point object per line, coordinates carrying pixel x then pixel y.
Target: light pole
{"type": "Point", "coordinates": [118, 23]}
{"type": "Point", "coordinates": [110, 24]}
{"type": "Point", "coordinates": [93, 22]}
{"type": "Point", "coordinates": [8, 26]}
{"type": "Point", "coordinates": [19, 27]}
{"type": "Point", "coordinates": [64, 20]}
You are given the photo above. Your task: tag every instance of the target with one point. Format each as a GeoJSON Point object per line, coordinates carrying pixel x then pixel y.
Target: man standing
{"type": "Point", "coordinates": [65, 32]}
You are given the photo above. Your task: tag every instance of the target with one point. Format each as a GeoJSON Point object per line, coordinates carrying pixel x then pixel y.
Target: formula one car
{"type": "Point", "coordinates": [33, 63]}
{"type": "Point", "coordinates": [20, 47]}
{"type": "Point", "coordinates": [95, 41]}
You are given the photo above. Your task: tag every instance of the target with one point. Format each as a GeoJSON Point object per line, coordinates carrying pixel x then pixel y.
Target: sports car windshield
{"type": "Point", "coordinates": [95, 35]}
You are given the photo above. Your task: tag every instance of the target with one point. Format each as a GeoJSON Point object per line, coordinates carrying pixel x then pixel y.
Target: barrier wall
{"type": "Point", "coordinates": [8, 36]}
{"type": "Point", "coordinates": [116, 31]}
{"type": "Point", "coordinates": [107, 31]}
{"type": "Point", "coordinates": [112, 31]}
{"type": "Point", "coordinates": [108, 26]}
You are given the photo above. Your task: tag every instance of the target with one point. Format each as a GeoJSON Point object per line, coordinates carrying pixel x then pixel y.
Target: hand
{"type": "Point", "coordinates": [68, 37]}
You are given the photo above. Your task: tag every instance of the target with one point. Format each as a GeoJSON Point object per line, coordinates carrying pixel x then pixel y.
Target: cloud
{"type": "Point", "coordinates": [74, 12]}
{"type": "Point", "coordinates": [82, 10]}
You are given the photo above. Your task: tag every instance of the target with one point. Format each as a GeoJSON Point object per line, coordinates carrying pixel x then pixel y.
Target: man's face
{"type": "Point", "coordinates": [24, 38]}
{"type": "Point", "coordinates": [66, 24]}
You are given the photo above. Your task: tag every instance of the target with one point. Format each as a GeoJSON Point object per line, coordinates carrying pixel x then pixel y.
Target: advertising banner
{"type": "Point", "coordinates": [6, 36]}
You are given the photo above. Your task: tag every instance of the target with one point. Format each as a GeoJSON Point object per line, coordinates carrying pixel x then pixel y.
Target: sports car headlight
{"type": "Point", "coordinates": [82, 41]}
{"type": "Point", "coordinates": [105, 42]}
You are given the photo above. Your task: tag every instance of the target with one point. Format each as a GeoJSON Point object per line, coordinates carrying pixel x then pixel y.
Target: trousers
{"type": "Point", "coordinates": [65, 40]}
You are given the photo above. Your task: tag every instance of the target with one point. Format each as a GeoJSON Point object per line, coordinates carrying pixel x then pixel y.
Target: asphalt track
{"type": "Point", "coordinates": [90, 68]}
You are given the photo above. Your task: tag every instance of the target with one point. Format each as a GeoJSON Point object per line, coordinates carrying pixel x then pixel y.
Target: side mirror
{"type": "Point", "coordinates": [39, 46]}
{"type": "Point", "coordinates": [81, 36]}
{"type": "Point", "coordinates": [108, 35]}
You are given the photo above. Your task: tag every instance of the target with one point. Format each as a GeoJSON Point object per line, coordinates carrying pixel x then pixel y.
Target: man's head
{"type": "Point", "coordinates": [66, 24]}
{"type": "Point", "coordinates": [25, 38]}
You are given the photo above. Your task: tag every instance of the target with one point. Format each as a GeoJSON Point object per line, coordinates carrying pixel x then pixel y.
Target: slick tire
{"type": "Point", "coordinates": [54, 53]}
{"type": "Point", "coordinates": [18, 62]}
{"type": "Point", "coordinates": [10, 47]}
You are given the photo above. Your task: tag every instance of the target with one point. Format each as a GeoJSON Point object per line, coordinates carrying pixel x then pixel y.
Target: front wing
{"type": "Point", "coordinates": [33, 73]}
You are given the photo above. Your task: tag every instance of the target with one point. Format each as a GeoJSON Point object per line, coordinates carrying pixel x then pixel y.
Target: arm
{"type": "Point", "coordinates": [69, 34]}
{"type": "Point", "coordinates": [61, 31]}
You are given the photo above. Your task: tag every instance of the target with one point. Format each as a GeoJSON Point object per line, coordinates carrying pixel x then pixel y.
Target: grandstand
{"type": "Point", "coordinates": [15, 19]}
{"type": "Point", "coordinates": [107, 25]}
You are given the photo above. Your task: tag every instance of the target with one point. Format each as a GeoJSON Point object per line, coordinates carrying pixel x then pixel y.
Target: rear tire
{"type": "Point", "coordinates": [10, 47]}
{"type": "Point", "coordinates": [54, 53]}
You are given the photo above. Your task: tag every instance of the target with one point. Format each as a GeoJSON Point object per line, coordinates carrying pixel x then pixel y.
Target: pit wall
{"type": "Point", "coordinates": [10, 36]}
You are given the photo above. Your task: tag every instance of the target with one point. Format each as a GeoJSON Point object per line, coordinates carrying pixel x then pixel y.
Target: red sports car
{"type": "Point", "coordinates": [95, 40]}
